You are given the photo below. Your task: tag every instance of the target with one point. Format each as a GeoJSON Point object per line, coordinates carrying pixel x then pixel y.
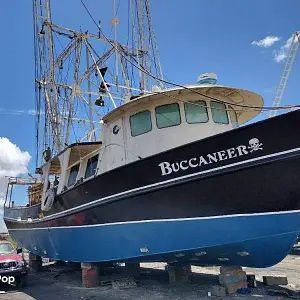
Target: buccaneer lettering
{"type": "Point", "coordinates": [192, 164]}
{"type": "Point", "coordinates": [231, 152]}
{"type": "Point", "coordinates": [212, 157]}
{"type": "Point", "coordinates": [182, 166]}
{"type": "Point", "coordinates": [222, 155]}
{"type": "Point", "coordinates": [196, 162]}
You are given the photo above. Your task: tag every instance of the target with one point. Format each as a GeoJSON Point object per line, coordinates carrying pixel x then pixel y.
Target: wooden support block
{"type": "Point", "coordinates": [242, 285]}
{"type": "Point", "coordinates": [132, 269]}
{"type": "Point", "coordinates": [231, 288]}
{"type": "Point", "coordinates": [90, 275]}
{"type": "Point", "coordinates": [232, 277]}
{"type": "Point", "coordinates": [230, 269]}
{"type": "Point", "coordinates": [275, 280]}
{"type": "Point", "coordinates": [35, 262]}
{"type": "Point", "coordinates": [179, 274]}
{"type": "Point", "coordinates": [218, 291]}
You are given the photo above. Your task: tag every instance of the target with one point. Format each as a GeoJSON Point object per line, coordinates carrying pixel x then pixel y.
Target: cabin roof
{"type": "Point", "coordinates": [78, 150]}
{"type": "Point", "coordinates": [223, 93]}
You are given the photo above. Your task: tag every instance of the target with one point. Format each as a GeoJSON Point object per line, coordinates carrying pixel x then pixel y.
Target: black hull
{"type": "Point", "coordinates": [225, 194]}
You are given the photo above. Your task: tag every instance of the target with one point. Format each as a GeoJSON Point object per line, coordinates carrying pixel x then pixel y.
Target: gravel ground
{"type": "Point", "coordinates": [54, 284]}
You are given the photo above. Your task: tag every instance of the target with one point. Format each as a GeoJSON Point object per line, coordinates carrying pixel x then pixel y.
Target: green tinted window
{"type": "Point", "coordinates": [219, 112]}
{"type": "Point", "coordinates": [167, 115]}
{"type": "Point", "coordinates": [140, 123]}
{"type": "Point", "coordinates": [196, 113]}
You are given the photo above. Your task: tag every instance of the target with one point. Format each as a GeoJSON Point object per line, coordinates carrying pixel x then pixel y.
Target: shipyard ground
{"type": "Point", "coordinates": [61, 283]}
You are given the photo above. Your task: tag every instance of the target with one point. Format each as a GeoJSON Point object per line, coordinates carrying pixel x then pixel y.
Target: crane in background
{"type": "Point", "coordinates": [290, 59]}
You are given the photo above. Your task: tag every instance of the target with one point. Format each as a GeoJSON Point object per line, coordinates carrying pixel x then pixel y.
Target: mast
{"type": "Point", "coordinates": [81, 76]}
{"type": "Point", "coordinates": [44, 47]}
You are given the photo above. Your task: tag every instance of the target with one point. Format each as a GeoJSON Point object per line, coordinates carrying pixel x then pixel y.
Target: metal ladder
{"type": "Point", "coordinates": [290, 59]}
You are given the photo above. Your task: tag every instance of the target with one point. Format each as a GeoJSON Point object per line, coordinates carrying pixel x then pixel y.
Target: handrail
{"type": "Point", "coordinates": [22, 207]}
{"type": "Point", "coordinates": [82, 158]}
{"type": "Point", "coordinates": [98, 150]}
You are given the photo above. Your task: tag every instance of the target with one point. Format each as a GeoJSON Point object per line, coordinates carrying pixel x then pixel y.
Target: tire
{"type": "Point", "coordinates": [48, 199]}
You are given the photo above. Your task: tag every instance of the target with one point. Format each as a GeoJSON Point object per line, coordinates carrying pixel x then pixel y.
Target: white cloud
{"type": "Point", "coordinates": [267, 42]}
{"type": "Point", "coordinates": [31, 112]}
{"type": "Point", "coordinates": [280, 55]}
{"type": "Point", "coordinates": [13, 162]}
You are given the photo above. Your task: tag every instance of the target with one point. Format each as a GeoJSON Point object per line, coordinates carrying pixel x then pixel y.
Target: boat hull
{"type": "Point", "coordinates": [221, 195]}
{"type": "Point", "coordinates": [246, 240]}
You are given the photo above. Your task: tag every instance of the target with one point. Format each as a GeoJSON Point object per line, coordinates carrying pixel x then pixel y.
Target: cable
{"type": "Point", "coordinates": [142, 69]}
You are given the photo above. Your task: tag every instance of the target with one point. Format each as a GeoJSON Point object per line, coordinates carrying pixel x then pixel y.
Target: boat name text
{"type": "Point", "coordinates": [167, 168]}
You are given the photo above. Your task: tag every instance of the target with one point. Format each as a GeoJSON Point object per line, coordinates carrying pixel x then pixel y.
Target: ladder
{"type": "Point", "coordinates": [291, 56]}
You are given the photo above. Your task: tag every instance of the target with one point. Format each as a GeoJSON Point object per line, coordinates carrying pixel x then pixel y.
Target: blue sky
{"type": "Point", "coordinates": [193, 36]}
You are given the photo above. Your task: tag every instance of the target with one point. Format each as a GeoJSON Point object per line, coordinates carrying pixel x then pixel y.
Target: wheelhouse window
{"type": "Point", "coordinates": [196, 113]}
{"type": "Point", "coordinates": [167, 115]}
{"type": "Point", "coordinates": [91, 166]}
{"type": "Point", "coordinates": [140, 123]}
{"type": "Point", "coordinates": [219, 113]}
{"type": "Point", "coordinates": [73, 175]}
{"type": "Point", "coordinates": [233, 117]}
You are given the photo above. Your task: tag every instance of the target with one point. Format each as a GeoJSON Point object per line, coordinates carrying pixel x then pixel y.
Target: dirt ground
{"type": "Point", "coordinates": [58, 283]}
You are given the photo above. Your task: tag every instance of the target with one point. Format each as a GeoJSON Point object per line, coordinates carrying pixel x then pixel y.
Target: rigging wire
{"type": "Point", "coordinates": [112, 26]}
{"type": "Point", "coordinates": [163, 92]}
{"type": "Point", "coordinates": [142, 69]}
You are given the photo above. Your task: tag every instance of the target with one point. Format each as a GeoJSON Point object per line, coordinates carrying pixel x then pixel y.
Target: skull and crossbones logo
{"type": "Point", "coordinates": [254, 145]}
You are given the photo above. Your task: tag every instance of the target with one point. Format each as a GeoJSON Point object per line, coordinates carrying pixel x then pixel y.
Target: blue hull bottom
{"type": "Point", "coordinates": [256, 240]}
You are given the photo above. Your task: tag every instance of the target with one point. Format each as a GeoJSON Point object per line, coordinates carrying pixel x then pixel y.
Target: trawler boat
{"type": "Point", "coordinates": [171, 177]}
{"type": "Point", "coordinates": [171, 181]}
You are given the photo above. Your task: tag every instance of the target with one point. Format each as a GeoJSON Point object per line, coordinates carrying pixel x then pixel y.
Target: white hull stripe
{"type": "Point", "coordinates": [169, 220]}
{"type": "Point", "coordinates": [173, 180]}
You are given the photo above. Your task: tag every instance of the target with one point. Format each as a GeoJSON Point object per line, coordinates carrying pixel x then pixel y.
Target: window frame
{"type": "Point", "coordinates": [230, 111]}
{"type": "Point", "coordinates": [78, 167]}
{"type": "Point", "coordinates": [180, 121]}
{"type": "Point", "coordinates": [90, 159]}
{"type": "Point", "coordinates": [146, 110]}
{"type": "Point", "coordinates": [205, 107]}
{"type": "Point", "coordinates": [225, 110]}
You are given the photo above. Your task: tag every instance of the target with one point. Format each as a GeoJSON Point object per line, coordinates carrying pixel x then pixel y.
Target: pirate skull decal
{"type": "Point", "coordinates": [254, 145]}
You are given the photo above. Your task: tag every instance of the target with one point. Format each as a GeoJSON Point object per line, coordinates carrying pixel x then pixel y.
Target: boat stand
{"type": "Point", "coordinates": [35, 262]}
{"type": "Point", "coordinates": [90, 274]}
{"type": "Point", "coordinates": [133, 270]}
{"type": "Point", "coordinates": [178, 273]}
